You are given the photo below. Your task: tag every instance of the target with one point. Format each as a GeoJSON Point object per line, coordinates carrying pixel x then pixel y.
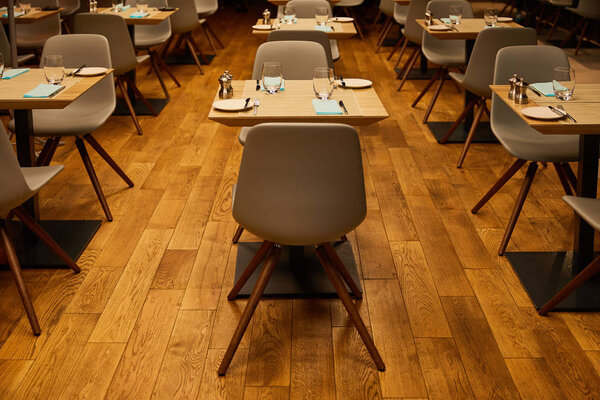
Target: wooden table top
{"type": "Point", "coordinates": [155, 16]}
{"type": "Point", "coordinates": [294, 104]}
{"type": "Point", "coordinates": [341, 30]}
{"type": "Point", "coordinates": [33, 16]}
{"type": "Point", "coordinates": [583, 106]}
{"type": "Point", "coordinates": [468, 29]}
{"type": "Point", "coordinates": [284, 2]}
{"type": "Point", "coordinates": [12, 91]}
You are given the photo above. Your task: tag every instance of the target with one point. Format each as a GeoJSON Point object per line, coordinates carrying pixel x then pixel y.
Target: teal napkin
{"type": "Point", "coordinates": [323, 28]}
{"type": "Point", "coordinates": [326, 107]}
{"type": "Point", "coordinates": [445, 20]}
{"type": "Point", "coordinates": [287, 18]}
{"type": "Point", "coordinates": [124, 8]}
{"type": "Point", "coordinates": [282, 84]}
{"type": "Point", "coordinates": [138, 14]}
{"type": "Point", "coordinates": [43, 90]}
{"type": "Point", "coordinates": [545, 88]}
{"type": "Point", "coordinates": [11, 73]}
{"type": "Point", "coordinates": [17, 14]}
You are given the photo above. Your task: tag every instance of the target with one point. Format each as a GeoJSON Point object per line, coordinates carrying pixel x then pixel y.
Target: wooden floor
{"type": "Point", "coordinates": [148, 317]}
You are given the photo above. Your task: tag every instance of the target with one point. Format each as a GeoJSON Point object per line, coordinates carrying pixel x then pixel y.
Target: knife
{"type": "Point", "coordinates": [561, 108]}
{"type": "Point", "coordinates": [77, 70]}
{"type": "Point", "coordinates": [257, 85]}
{"type": "Point", "coordinates": [534, 90]}
{"type": "Point", "coordinates": [342, 80]}
{"type": "Point", "coordinates": [57, 92]}
{"type": "Point", "coordinates": [558, 112]}
{"type": "Point", "coordinates": [341, 103]}
{"type": "Point", "coordinates": [247, 101]}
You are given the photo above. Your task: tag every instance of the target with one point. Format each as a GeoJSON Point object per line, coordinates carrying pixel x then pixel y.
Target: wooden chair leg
{"type": "Point", "coordinates": [585, 25]}
{"type": "Point", "coordinates": [353, 313]}
{"type": "Point", "coordinates": [237, 234]}
{"type": "Point", "coordinates": [554, 23]}
{"type": "Point", "coordinates": [257, 292]}
{"type": "Point", "coordinates": [123, 90]}
{"type": "Point", "coordinates": [109, 160]}
{"type": "Point", "coordinates": [509, 173]}
{"type": "Point", "coordinates": [409, 68]}
{"type": "Point", "coordinates": [165, 67]}
{"type": "Point", "coordinates": [341, 268]}
{"type": "Point", "coordinates": [562, 176]}
{"type": "Point", "coordinates": [154, 65]}
{"type": "Point", "coordinates": [471, 134]}
{"type": "Point", "coordinates": [213, 34]}
{"type": "Point", "coordinates": [198, 49]}
{"type": "Point", "coordinates": [435, 77]}
{"type": "Point", "coordinates": [518, 206]}
{"type": "Point", "coordinates": [460, 119]}
{"type": "Point", "coordinates": [37, 229]}
{"type": "Point", "coordinates": [387, 26]}
{"type": "Point", "coordinates": [435, 97]}
{"type": "Point", "coordinates": [140, 96]}
{"type": "Point", "coordinates": [92, 174]}
{"type": "Point", "coordinates": [399, 44]}
{"type": "Point", "coordinates": [376, 20]}
{"type": "Point", "coordinates": [586, 274]}
{"type": "Point", "coordinates": [573, 31]}
{"type": "Point", "coordinates": [210, 41]}
{"type": "Point", "coordinates": [570, 175]}
{"type": "Point", "coordinates": [250, 268]}
{"type": "Point", "coordinates": [402, 50]}
{"type": "Point", "coordinates": [165, 49]}
{"type": "Point", "coordinates": [405, 66]}
{"type": "Point", "coordinates": [194, 55]}
{"type": "Point", "coordinates": [15, 268]}
{"type": "Point", "coordinates": [47, 152]}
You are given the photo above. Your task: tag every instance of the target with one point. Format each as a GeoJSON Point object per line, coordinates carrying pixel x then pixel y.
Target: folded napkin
{"type": "Point", "coordinates": [11, 73]}
{"type": "Point", "coordinates": [323, 28]}
{"type": "Point", "coordinates": [275, 79]}
{"type": "Point", "coordinates": [17, 14]}
{"type": "Point", "coordinates": [445, 20]}
{"type": "Point", "coordinates": [43, 90]}
{"type": "Point", "coordinates": [138, 14]}
{"type": "Point", "coordinates": [124, 8]}
{"type": "Point", "coordinates": [546, 88]}
{"type": "Point", "coordinates": [287, 18]}
{"type": "Point", "coordinates": [326, 107]}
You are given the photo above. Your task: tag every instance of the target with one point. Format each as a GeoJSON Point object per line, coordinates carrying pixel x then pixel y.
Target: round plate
{"type": "Point", "coordinates": [92, 71]}
{"type": "Point", "coordinates": [357, 83]}
{"type": "Point", "coordinates": [262, 27]}
{"type": "Point", "coordinates": [505, 19]}
{"type": "Point", "coordinates": [232, 105]}
{"type": "Point", "coordinates": [438, 28]}
{"type": "Point", "coordinates": [540, 113]}
{"type": "Point", "coordinates": [342, 19]}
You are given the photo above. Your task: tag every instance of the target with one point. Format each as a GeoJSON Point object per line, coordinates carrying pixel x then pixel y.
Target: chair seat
{"type": "Point", "coordinates": [206, 12]}
{"type": "Point", "coordinates": [145, 40]}
{"type": "Point", "coordinates": [400, 13]}
{"type": "Point", "coordinates": [141, 59]}
{"type": "Point", "coordinates": [37, 177]}
{"type": "Point", "coordinates": [243, 135]}
{"type": "Point", "coordinates": [450, 53]}
{"type": "Point", "coordinates": [457, 76]}
{"type": "Point", "coordinates": [22, 58]}
{"type": "Point", "coordinates": [586, 208]}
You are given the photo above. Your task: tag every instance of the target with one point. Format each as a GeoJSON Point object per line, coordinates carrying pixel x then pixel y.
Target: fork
{"type": "Point", "coordinates": [560, 107]}
{"type": "Point", "coordinates": [256, 104]}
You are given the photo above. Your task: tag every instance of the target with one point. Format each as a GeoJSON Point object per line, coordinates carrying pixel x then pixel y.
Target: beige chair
{"type": "Point", "coordinates": [18, 185]}
{"type": "Point", "coordinates": [348, 6]}
{"type": "Point", "coordinates": [300, 185]}
{"type": "Point", "coordinates": [33, 36]}
{"type": "Point", "coordinates": [5, 51]}
{"type": "Point", "coordinates": [305, 36]}
{"type": "Point", "coordinates": [587, 11]}
{"type": "Point", "coordinates": [413, 33]}
{"type": "Point", "coordinates": [387, 8]}
{"type": "Point", "coordinates": [204, 9]}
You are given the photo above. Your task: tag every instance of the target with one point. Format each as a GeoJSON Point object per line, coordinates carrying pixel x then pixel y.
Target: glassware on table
{"type": "Point", "coordinates": [272, 77]}
{"type": "Point", "coordinates": [142, 5]}
{"type": "Point", "coordinates": [116, 5]}
{"type": "Point", "coordinates": [321, 15]}
{"type": "Point", "coordinates": [25, 6]}
{"type": "Point", "coordinates": [563, 83]}
{"type": "Point", "coordinates": [323, 82]}
{"type": "Point", "coordinates": [289, 13]}
{"type": "Point", "coordinates": [54, 69]}
{"type": "Point", "coordinates": [455, 14]}
{"type": "Point", "coordinates": [491, 17]}
{"type": "Point", "coordinates": [1, 65]}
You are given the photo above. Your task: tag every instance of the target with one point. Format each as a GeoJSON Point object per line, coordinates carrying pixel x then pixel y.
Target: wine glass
{"type": "Point", "coordinates": [321, 15]}
{"type": "Point", "coordinates": [289, 13]}
{"type": "Point", "coordinates": [142, 5]}
{"type": "Point", "coordinates": [491, 17]}
{"type": "Point", "coordinates": [1, 65]}
{"type": "Point", "coordinates": [323, 82]}
{"type": "Point", "coordinates": [563, 83]}
{"type": "Point", "coordinates": [272, 77]}
{"type": "Point", "coordinates": [455, 14]}
{"type": "Point", "coordinates": [54, 69]}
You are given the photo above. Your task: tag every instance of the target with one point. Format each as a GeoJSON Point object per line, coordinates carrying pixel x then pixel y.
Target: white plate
{"type": "Point", "coordinates": [342, 19]}
{"type": "Point", "coordinates": [505, 19]}
{"type": "Point", "coordinates": [92, 71]}
{"type": "Point", "coordinates": [263, 27]}
{"type": "Point", "coordinates": [540, 113]}
{"type": "Point", "coordinates": [232, 105]}
{"type": "Point", "coordinates": [357, 83]}
{"type": "Point", "coordinates": [438, 28]}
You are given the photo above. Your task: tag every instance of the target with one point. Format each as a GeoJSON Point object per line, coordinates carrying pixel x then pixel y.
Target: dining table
{"type": "Point", "coordinates": [34, 15]}
{"type": "Point", "coordinates": [543, 274]}
{"type": "Point", "coordinates": [72, 235]}
{"type": "Point", "coordinates": [298, 272]}
{"type": "Point", "coordinates": [339, 30]}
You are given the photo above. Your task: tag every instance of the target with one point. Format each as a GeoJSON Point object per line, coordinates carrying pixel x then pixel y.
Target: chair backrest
{"type": "Point", "coordinates": [35, 35]}
{"type": "Point", "coordinates": [412, 30]}
{"type": "Point", "coordinates": [480, 70]}
{"type": "Point", "coordinates": [306, 36]}
{"type": "Point", "coordinates": [400, 13]}
{"type": "Point", "coordinates": [186, 18]}
{"type": "Point", "coordinates": [5, 49]}
{"type": "Point", "coordinates": [70, 6]}
{"type": "Point", "coordinates": [161, 32]}
{"type": "Point", "coordinates": [588, 9]}
{"type": "Point", "coordinates": [440, 9]}
{"type": "Point", "coordinates": [299, 183]}
{"type": "Point", "coordinates": [306, 8]}
{"type": "Point", "coordinates": [206, 7]}
{"type": "Point", "coordinates": [298, 59]}
{"type": "Point", "coordinates": [387, 7]}
{"type": "Point", "coordinates": [114, 29]}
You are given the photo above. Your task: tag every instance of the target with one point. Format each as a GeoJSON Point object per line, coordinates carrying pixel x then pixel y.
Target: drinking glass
{"type": "Point", "coordinates": [289, 13]}
{"type": "Point", "coordinates": [563, 82]}
{"type": "Point", "coordinates": [54, 69]}
{"type": "Point", "coordinates": [272, 77]}
{"type": "Point", "coordinates": [25, 6]}
{"type": "Point", "coordinates": [321, 15]}
{"type": "Point", "coordinates": [116, 4]}
{"type": "Point", "coordinates": [142, 5]}
{"type": "Point", "coordinates": [323, 82]}
{"type": "Point", "coordinates": [1, 65]}
{"type": "Point", "coordinates": [455, 14]}
{"type": "Point", "coordinates": [491, 17]}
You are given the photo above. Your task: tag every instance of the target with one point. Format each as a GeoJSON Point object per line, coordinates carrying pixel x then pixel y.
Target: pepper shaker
{"type": "Point", "coordinates": [513, 81]}
{"type": "Point", "coordinates": [266, 17]}
{"type": "Point", "coordinates": [226, 90]}
{"type": "Point", "coordinates": [521, 92]}
{"type": "Point", "coordinates": [428, 18]}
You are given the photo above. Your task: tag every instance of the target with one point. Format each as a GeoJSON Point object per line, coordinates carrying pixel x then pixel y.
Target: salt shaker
{"type": "Point", "coordinates": [428, 18]}
{"type": "Point", "coordinates": [513, 81]}
{"type": "Point", "coordinates": [226, 90]}
{"type": "Point", "coordinates": [93, 6]}
{"type": "Point", "coordinates": [266, 17]}
{"type": "Point", "coordinates": [521, 92]}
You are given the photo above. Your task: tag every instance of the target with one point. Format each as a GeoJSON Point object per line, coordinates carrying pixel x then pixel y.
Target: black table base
{"type": "Point", "coordinates": [139, 107]}
{"type": "Point", "coordinates": [483, 135]}
{"type": "Point", "coordinates": [304, 279]}
{"type": "Point", "coordinates": [72, 236]}
{"type": "Point", "coordinates": [543, 274]}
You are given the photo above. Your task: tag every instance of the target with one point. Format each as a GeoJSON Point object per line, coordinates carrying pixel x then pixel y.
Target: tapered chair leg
{"type": "Point", "coordinates": [460, 119]}
{"type": "Point", "coordinates": [509, 173]}
{"type": "Point", "coordinates": [531, 170]}
{"type": "Point", "coordinates": [409, 68]}
{"type": "Point", "coordinates": [389, 23]}
{"type": "Point", "coordinates": [399, 44]}
{"type": "Point", "coordinates": [250, 268]}
{"type": "Point", "coordinates": [405, 66]}
{"type": "Point", "coordinates": [471, 134]}
{"type": "Point", "coordinates": [562, 176]}
{"type": "Point", "coordinates": [47, 152]}
{"type": "Point", "coordinates": [164, 66]}
{"type": "Point", "coordinates": [195, 45]}
{"type": "Point", "coordinates": [570, 175]}
{"type": "Point", "coordinates": [573, 31]}
{"type": "Point", "coordinates": [194, 55]}
{"type": "Point", "coordinates": [15, 269]}
{"type": "Point", "coordinates": [109, 160]}
{"type": "Point", "coordinates": [435, 96]}
{"type": "Point", "coordinates": [554, 23]}
{"type": "Point", "coordinates": [353, 313]}
{"type": "Point", "coordinates": [237, 234]}
{"type": "Point", "coordinates": [210, 41]}
{"type": "Point", "coordinates": [357, 24]}
{"type": "Point", "coordinates": [165, 49]}
{"type": "Point", "coordinates": [92, 174]}
{"type": "Point", "coordinates": [585, 25]}
{"type": "Point", "coordinates": [154, 65]}
{"type": "Point", "coordinates": [586, 274]}
{"type": "Point", "coordinates": [402, 50]}
{"type": "Point", "coordinates": [435, 77]}
{"type": "Point", "coordinates": [133, 86]}
{"type": "Point", "coordinates": [261, 284]}
{"type": "Point", "coordinates": [123, 90]}
{"type": "Point", "coordinates": [213, 34]}
{"type": "Point", "coordinates": [376, 20]}
{"type": "Point", "coordinates": [341, 268]}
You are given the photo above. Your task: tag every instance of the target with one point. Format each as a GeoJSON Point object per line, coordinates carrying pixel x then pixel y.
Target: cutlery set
{"type": "Point", "coordinates": [561, 111]}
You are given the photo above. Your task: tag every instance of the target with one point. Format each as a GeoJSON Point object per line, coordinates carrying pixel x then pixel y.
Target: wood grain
{"type": "Point", "coordinates": [534, 379]}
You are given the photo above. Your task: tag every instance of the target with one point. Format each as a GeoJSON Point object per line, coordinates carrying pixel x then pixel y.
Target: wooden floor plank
{"type": "Point", "coordinates": [534, 379]}
{"type": "Point", "coordinates": [375, 255]}
{"type": "Point", "coordinates": [174, 269]}
{"type": "Point", "coordinates": [585, 327]}
{"type": "Point", "coordinates": [12, 373]}
{"type": "Point", "coordinates": [267, 393]}
{"type": "Point", "coordinates": [228, 387]}
{"type": "Point", "coordinates": [95, 290]}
